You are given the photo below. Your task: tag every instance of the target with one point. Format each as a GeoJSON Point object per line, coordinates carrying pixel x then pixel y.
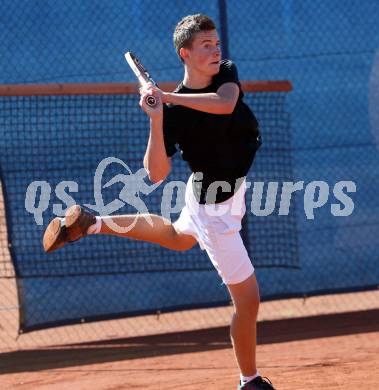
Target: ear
{"type": "Point", "coordinates": [183, 52]}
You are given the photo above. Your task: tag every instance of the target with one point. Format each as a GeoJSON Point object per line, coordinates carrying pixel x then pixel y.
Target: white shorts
{"type": "Point", "coordinates": [216, 228]}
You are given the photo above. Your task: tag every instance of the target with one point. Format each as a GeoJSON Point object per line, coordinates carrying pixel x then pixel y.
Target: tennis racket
{"type": "Point", "coordinates": [142, 76]}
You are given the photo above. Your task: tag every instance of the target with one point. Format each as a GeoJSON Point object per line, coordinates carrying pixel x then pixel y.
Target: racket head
{"type": "Point", "coordinates": [138, 69]}
{"type": "Point", "coordinates": [142, 75]}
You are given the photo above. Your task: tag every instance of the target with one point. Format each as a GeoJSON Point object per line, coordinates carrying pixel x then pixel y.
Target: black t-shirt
{"type": "Point", "coordinates": [216, 147]}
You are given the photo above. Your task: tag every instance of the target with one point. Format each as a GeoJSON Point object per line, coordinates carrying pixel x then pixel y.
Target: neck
{"type": "Point", "coordinates": [195, 80]}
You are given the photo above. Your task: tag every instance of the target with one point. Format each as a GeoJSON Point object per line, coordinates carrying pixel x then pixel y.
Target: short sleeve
{"type": "Point", "coordinates": [169, 130]}
{"type": "Point", "coordinates": [228, 74]}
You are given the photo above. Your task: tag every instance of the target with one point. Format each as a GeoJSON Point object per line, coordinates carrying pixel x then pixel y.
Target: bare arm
{"type": "Point", "coordinates": [155, 161]}
{"type": "Point", "coordinates": [221, 102]}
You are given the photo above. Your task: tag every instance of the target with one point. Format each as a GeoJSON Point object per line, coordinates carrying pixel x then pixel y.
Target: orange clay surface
{"type": "Point", "coordinates": [336, 351]}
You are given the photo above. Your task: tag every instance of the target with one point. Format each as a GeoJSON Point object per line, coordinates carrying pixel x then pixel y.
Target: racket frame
{"type": "Point", "coordinates": [142, 75]}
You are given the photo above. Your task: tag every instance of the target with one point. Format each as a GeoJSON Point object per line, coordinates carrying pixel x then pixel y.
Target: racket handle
{"type": "Point", "coordinates": [151, 101]}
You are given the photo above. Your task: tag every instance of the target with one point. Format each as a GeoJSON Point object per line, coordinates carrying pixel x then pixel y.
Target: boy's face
{"type": "Point", "coordinates": [205, 54]}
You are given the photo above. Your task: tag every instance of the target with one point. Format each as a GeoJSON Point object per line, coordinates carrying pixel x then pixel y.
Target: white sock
{"type": "Point", "coordinates": [247, 379]}
{"type": "Point", "coordinates": [96, 227]}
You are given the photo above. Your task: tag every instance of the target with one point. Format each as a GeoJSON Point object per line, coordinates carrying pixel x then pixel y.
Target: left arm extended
{"type": "Point", "coordinates": [221, 102]}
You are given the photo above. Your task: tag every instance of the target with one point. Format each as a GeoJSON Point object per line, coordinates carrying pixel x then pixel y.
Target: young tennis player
{"type": "Point", "coordinates": [217, 134]}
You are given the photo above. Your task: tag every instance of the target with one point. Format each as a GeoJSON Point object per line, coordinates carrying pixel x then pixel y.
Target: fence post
{"type": "Point", "coordinates": [224, 28]}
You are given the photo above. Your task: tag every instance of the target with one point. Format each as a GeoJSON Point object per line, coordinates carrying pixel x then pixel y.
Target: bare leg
{"type": "Point", "coordinates": [162, 232]}
{"type": "Point", "coordinates": [243, 331]}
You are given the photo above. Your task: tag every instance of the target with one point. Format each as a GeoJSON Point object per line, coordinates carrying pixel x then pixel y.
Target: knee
{"type": "Point", "coordinates": [184, 242]}
{"type": "Point", "coordinates": [248, 308]}
{"type": "Point", "coordinates": [247, 305]}
{"type": "Point", "coordinates": [185, 246]}
{"type": "Point", "coordinates": [246, 297]}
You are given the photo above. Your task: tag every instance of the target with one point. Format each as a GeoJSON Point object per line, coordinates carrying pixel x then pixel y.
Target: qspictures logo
{"type": "Point", "coordinates": [263, 201]}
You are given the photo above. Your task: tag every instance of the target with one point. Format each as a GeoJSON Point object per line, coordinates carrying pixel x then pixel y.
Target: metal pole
{"type": "Point", "coordinates": [224, 28]}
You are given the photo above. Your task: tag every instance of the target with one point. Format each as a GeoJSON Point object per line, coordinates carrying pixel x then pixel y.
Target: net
{"type": "Point", "coordinates": [55, 136]}
{"type": "Point", "coordinates": [53, 140]}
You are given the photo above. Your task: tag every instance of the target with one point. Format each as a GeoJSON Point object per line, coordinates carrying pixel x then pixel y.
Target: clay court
{"type": "Point", "coordinates": [302, 350]}
{"type": "Point", "coordinates": [331, 352]}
